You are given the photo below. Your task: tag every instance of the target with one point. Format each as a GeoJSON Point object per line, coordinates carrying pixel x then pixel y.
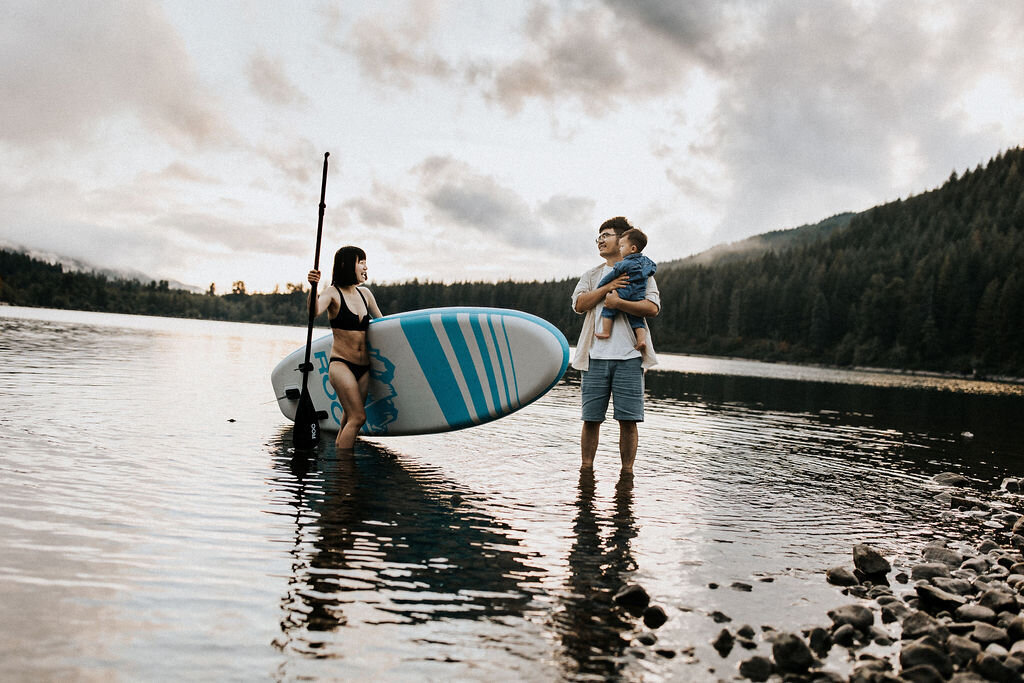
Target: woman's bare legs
{"type": "Point", "coordinates": [352, 394]}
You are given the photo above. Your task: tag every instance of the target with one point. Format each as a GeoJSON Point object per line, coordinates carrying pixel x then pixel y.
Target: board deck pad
{"type": "Point", "coordinates": [436, 370]}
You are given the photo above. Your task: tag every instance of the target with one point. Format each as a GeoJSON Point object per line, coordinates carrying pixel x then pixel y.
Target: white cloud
{"type": "Point", "coordinates": [64, 70]}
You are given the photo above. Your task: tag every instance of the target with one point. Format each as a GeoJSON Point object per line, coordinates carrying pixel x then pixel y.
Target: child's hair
{"type": "Point", "coordinates": [345, 260]}
{"type": "Point", "coordinates": [636, 237]}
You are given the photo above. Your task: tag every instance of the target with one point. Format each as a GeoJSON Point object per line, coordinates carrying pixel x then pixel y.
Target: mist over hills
{"type": "Point", "coordinates": [75, 265]}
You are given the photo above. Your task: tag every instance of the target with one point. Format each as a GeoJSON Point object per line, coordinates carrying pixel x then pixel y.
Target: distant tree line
{"type": "Point", "coordinates": [933, 282]}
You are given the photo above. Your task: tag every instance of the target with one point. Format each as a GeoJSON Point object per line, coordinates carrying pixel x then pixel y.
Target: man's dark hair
{"type": "Point", "coordinates": [636, 237]}
{"type": "Point", "coordinates": [619, 224]}
{"type": "Point", "coordinates": [345, 260]}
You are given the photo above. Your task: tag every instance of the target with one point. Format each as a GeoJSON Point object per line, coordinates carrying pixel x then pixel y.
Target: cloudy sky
{"type": "Point", "coordinates": [478, 140]}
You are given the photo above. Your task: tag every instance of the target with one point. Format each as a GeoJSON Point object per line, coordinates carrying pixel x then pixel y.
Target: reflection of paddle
{"type": "Point", "coordinates": [306, 432]}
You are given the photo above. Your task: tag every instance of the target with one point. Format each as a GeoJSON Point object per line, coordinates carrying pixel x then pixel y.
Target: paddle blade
{"type": "Point", "coordinates": [306, 432]}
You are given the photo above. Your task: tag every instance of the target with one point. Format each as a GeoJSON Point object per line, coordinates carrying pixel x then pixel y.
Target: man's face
{"type": "Point", "coordinates": [608, 243]}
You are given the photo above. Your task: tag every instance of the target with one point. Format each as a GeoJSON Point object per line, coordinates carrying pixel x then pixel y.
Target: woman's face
{"type": "Point", "coordinates": [361, 271]}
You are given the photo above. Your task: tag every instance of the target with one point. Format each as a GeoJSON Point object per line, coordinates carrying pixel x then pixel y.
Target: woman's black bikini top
{"type": "Point", "coordinates": [346, 319]}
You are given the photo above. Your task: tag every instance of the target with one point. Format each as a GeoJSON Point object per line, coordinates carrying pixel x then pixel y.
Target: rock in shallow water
{"type": "Point", "coordinates": [791, 653]}
{"type": "Point", "coordinates": [632, 597]}
{"type": "Point", "coordinates": [858, 616]}
{"type": "Point", "coordinates": [950, 558]}
{"type": "Point", "coordinates": [654, 616]}
{"type": "Point", "coordinates": [841, 576]}
{"type": "Point", "coordinates": [757, 668]}
{"type": "Point", "coordinates": [869, 560]}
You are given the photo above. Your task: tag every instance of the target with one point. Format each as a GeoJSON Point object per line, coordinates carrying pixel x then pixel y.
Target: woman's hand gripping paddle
{"type": "Point", "coordinates": [306, 432]}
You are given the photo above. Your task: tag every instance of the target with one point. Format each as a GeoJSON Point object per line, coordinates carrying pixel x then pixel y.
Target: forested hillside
{"type": "Point", "coordinates": [935, 281]}
{"type": "Point", "coordinates": [932, 282]}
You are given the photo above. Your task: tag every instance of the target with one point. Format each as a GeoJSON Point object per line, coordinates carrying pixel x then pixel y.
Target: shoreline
{"type": "Point", "coordinates": [953, 615]}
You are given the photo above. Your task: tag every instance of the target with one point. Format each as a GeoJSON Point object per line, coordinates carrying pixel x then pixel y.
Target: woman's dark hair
{"type": "Point", "coordinates": [345, 260]}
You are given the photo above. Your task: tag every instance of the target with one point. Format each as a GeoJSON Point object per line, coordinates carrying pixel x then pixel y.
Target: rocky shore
{"type": "Point", "coordinates": [954, 615]}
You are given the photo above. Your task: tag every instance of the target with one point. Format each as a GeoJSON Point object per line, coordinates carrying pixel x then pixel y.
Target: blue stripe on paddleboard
{"type": "Point", "coordinates": [511, 362]}
{"type": "Point", "coordinates": [434, 365]}
{"type": "Point", "coordinates": [481, 343]}
{"type": "Point", "coordinates": [455, 337]}
{"type": "Point", "coordinates": [501, 361]}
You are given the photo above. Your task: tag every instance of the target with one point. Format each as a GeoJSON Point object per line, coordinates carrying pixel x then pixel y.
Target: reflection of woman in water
{"type": "Point", "coordinates": [598, 568]}
{"type": "Point", "coordinates": [369, 532]}
{"type": "Point", "coordinates": [350, 308]}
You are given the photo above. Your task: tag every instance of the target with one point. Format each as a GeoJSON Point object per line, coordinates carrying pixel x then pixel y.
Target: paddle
{"type": "Point", "coordinates": [306, 432]}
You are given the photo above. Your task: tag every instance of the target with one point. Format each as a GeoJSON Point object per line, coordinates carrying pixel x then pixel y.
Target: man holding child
{"type": "Point", "coordinates": [613, 365]}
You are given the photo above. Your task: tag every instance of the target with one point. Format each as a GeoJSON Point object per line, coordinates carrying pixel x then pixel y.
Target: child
{"type": "Point", "coordinates": [638, 267]}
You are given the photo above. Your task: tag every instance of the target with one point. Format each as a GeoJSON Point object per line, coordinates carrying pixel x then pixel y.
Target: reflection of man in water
{"type": "Point", "coordinates": [590, 625]}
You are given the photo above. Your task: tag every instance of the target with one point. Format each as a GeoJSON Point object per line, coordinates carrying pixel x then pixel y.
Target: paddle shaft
{"type": "Point", "coordinates": [316, 266]}
{"type": "Point", "coordinates": [306, 432]}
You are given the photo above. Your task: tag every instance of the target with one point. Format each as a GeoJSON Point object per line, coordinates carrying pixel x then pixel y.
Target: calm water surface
{"type": "Point", "coordinates": [155, 524]}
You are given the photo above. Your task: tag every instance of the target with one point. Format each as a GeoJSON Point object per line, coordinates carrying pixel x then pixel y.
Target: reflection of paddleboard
{"type": "Point", "coordinates": [436, 370]}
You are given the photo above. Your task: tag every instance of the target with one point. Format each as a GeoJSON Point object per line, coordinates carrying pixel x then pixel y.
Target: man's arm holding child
{"type": "Point", "coordinates": [649, 307]}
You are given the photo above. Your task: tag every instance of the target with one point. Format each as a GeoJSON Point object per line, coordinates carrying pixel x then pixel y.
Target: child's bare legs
{"type": "Point", "coordinates": [641, 338]}
{"type": "Point", "coordinates": [605, 329]}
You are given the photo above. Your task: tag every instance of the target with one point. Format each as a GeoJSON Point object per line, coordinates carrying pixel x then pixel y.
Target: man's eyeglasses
{"type": "Point", "coordinates": [605, 236]}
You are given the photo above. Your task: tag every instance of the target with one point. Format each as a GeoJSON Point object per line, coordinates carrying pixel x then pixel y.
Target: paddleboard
{"type": "Point", "coordinates": [436, 370]}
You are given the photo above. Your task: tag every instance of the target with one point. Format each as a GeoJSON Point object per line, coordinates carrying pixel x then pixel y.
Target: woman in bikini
{"type": "Point", "coordinates": [350, 308]}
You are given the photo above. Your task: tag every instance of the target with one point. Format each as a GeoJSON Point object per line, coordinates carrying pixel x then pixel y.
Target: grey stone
{"type": "Point", "coordinates": [646, 638]}
{"type": "Point", "coordinates": [869, 560]}
{"type": "Point", "coordinates": [654, 616]}
{"type": "Point", "coordinates": [955, 586]}
{"type": "Point", "coordinates": [950, 558]}
{"type": "Point", "coordinates": [820, 641]}
{"type": "Point", "coordinates": [921, 624]}
{"type": "Point", "coordinates": [1017, 568]}
{"type": "Point", "coordinates": [921, 653]}
{"type": "Point", "coordinates": [987, 545]}
{"type": "Point", "coordinates": [894, 612]}
{"type": "Point", "coordinates": [997, 650]}
{"type": "Point", "coordinates": [791, 653]}
{"type": "Point", "coordinates": [845, 636]}
{"type": "Point", "coordinates": [999, 601]}
{"type": "Point", "coordinates": [746, 631]}
{"type": "Point", "coordinates": [951, 479]}
{"type": "Point", "coordinates": [935, 599]}
{"type": "Point", "coordinates": [632, 597]}
{"type": "Point", "coordinates": [987, 633]}
{"type": "Point", "coordinates": [841, 576]}
{"type": "Point", "coordinates": [921, 673]}
{"type": "Point", "coordinates": [992, 667]}
{"type": "Point", "coordinates": [858, 616]}
{"type": "Point", "coordinates": [975, 613]}
{"type": "Point", "coordinates": [723, 642]}
{"type": "Point", "coordinates": [1015, 628]}
{"type": "Point", "coordinates": [871, 671]}
{"type": "Point", "coordinates": [967, 677]}
{"type": "Point", "coordinates": [979, 565]}
{"type": "Point", "coordinates": [962, 650]}
{"type": "Point", "coordinates": [929, 570]}
{"type": "Point", "coordinates": [757, 668]}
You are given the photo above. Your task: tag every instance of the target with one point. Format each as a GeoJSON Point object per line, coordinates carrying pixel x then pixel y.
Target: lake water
{"type": "Point", "coordinates": [155, 525]}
